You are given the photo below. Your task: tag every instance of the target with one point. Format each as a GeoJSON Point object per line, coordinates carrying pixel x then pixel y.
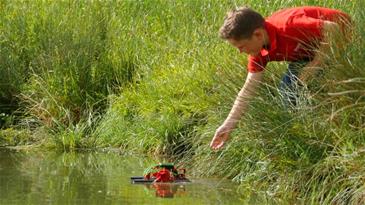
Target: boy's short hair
{"type": "Point", "coordinates": [241, 23]}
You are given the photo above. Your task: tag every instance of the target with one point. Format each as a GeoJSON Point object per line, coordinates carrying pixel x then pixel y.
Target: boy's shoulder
{"type": "Point", "coordinates": [284, 18]}
{"type": "Point", "coordinates": [303, 17]}
{"type": "Point", "coordinates": [308, 11]}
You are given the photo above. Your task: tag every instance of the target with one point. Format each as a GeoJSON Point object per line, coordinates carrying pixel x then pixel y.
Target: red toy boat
{"type": "Point", "coordinates": [163, 172]}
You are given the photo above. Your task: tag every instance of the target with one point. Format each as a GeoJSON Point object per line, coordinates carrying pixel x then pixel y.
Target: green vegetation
{"type": "Point", "coordinates": [153, 76]}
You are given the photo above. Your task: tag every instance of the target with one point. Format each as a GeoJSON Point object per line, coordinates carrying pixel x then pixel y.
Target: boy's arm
{"type": "Point", "coordinates": [239, 106]}
{"type": "Point", "coordinates": [329, 29]}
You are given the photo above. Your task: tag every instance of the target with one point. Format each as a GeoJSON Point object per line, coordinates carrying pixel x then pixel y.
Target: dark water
{"type": "Point", "coordinates": [96, 178]}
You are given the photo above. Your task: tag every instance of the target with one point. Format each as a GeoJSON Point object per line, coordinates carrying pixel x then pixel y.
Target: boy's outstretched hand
{"type": "Point", "coordinates": [220, 137]}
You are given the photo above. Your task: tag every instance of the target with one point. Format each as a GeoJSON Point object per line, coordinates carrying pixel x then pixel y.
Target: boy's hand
{"type": "Point", "coordinates": [220, 137]}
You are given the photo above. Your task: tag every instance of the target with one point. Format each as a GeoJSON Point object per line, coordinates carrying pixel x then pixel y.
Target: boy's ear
{"type": "Point", "coordinates": [258, 33]}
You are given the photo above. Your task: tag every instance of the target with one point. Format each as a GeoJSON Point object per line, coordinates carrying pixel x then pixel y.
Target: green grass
{"type": "Point", "coordinates": [153, 76]}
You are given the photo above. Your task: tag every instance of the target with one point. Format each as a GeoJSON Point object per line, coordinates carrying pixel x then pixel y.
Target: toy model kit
{"type": "Point", "coordinates": [162, 172]}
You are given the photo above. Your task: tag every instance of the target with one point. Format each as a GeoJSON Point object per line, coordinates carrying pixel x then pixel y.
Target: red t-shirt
{"type": "Point", "coordinates": [294, 33]}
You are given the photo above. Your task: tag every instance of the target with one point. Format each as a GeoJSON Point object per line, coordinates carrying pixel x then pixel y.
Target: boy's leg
{"type": "Point", "coordinates": [289, 83]}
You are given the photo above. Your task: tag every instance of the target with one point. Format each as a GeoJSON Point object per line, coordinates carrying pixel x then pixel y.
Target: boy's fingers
{"type": "Point", "coordinates": [219, 146]}
{"type": "Point", "coordinates": [215, 142]}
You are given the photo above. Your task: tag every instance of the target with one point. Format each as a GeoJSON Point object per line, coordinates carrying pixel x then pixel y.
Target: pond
{"type": "Point", "coordinates": [45, 177]}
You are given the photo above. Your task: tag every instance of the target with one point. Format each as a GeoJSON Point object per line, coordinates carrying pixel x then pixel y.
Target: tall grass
{"type": "Point", "coordinates": [62, 59]}
{"type": "Point", "coordinates": [152, 76]}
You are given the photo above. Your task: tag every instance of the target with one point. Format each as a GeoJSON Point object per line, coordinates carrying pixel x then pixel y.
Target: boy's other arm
{"type": "Point", "coordinates": [329, 30]}
{"type": "Point", "coordinates": [240, 104]}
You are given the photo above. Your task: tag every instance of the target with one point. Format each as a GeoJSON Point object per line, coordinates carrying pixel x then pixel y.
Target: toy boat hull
{"type": "Point", "coordinates": [142, 180]}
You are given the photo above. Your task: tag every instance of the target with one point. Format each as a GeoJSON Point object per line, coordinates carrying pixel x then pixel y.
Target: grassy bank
{"type": "Point", "coordinates": [153, 76]}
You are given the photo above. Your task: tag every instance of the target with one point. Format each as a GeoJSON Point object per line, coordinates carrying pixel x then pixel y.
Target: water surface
{"type": "Point", "coordinates": [97, 178]}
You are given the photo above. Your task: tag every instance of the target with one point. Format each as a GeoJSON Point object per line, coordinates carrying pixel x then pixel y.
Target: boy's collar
{"type": "Point", "coordinates": [271, 32]}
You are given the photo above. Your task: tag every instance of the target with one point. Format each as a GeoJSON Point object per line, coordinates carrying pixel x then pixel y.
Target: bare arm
{"type": "Point", "coordinates": [240, 105]}
{"type": "Point", "coordinates": [241, 102]}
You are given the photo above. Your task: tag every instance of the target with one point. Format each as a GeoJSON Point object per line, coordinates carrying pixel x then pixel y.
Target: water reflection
{"type": "Point", "coordinates": [167, 190]}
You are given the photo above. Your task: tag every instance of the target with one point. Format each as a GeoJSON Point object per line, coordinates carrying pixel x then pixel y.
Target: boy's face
{"type": "Point", "coordinates": [251, 46]}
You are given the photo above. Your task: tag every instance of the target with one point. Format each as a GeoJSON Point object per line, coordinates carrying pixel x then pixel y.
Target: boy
{"type": "Point", "coordinates": [297, 35]}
